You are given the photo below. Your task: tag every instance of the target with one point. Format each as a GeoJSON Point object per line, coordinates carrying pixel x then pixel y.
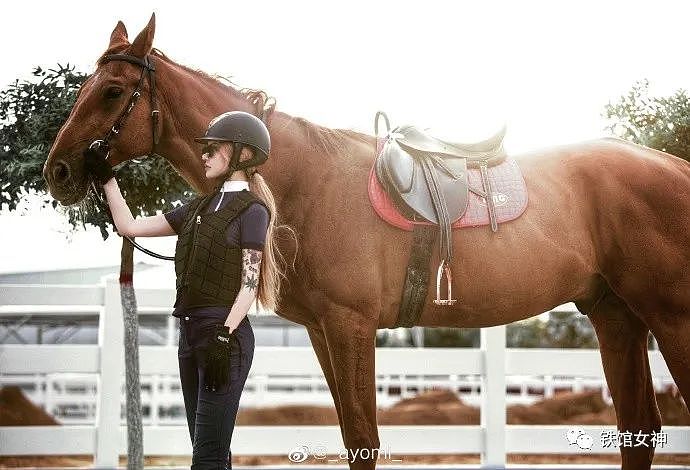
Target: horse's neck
{"type": "Point", "coordinates": [301, 165]}
{"type": "Point", "coordinates": [190, 100]}
{"type": "Point", "coordinates": [297, 164]}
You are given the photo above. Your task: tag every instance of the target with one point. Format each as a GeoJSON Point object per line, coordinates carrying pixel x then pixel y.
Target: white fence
{"type": "Point", "coordinates": [73, 398]}
{"type": "Point", "coordinates": [493, 438]}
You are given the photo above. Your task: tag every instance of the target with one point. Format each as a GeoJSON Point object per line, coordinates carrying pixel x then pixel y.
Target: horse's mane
{"type": "Point", "coordinates": [327, 139]}
{"type": "Point", "coordinates": [330, 141]}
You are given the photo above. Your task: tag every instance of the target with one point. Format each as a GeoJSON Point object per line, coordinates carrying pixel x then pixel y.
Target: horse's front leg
{"type": "Point", "coordinates": [351, 341]}
{"type": "Point", "coordinates": [318, 342]}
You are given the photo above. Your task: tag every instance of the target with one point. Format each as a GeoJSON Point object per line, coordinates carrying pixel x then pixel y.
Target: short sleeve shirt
{"type": "Point", "coordinates": [247, 231]}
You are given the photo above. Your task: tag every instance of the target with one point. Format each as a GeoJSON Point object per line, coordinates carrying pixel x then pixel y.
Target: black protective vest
{"type": "Point", "coordinates": [208, 270]}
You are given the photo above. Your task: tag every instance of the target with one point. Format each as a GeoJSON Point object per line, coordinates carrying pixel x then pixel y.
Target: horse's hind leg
{"type": "Point", "coordinates": [623, 347]}
{"type": "Point", "coordinates": [672, 332]}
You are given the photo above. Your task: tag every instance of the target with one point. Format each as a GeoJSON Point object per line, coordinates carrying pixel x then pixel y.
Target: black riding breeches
{"type": "Point", "coordinates": [211, 415]}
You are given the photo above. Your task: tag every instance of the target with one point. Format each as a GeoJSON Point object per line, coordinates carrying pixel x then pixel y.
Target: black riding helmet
{"type": "Point", "coordinates": [242, 129]}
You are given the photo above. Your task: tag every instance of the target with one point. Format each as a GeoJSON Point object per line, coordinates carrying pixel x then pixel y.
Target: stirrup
{"type": "Point", "coordinates": [443, 268]}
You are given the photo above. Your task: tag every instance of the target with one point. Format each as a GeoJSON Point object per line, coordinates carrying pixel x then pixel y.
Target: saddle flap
{"type": "Point", "coordinates": [401, 171]}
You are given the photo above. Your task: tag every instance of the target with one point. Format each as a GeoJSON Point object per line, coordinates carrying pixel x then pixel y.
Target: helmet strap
{"type": "Point", "coordinates": [235, 158]}
{"type": "Point", "coordinates": [234, 165]}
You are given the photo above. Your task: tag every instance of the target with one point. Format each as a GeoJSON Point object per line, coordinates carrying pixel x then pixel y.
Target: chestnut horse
{"type": "Point", "coordinates": [606, 227]}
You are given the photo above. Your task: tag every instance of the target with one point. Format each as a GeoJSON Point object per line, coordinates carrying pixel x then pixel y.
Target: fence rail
{"type": "Point", "coordinates": [492, 439]}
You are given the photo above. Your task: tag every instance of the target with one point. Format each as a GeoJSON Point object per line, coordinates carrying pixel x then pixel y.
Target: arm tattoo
{"type": "Point", "coordinates": [251, 262]}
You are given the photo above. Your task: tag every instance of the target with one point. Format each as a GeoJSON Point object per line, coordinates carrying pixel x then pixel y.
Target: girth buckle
{"type": "Point", "coordinates": [443, 268]}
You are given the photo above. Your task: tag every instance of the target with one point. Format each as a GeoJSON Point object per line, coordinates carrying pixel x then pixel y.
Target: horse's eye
{"type": "Point", "coordinates": [113, 92]}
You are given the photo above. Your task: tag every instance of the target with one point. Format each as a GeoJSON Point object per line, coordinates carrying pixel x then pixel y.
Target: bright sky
{"type": "Point", "coordinates": [546, 69]}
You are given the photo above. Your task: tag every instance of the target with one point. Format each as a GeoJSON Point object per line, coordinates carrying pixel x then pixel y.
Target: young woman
{"type": "Point", "coordinates": [225, 258]}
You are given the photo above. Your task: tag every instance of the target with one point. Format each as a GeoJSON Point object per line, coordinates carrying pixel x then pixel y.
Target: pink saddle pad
{"type": "Point", "coordinates": [510, 197]}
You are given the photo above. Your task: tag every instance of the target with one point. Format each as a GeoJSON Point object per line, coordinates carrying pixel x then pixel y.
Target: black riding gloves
{"type": "Point", "coordinates": [97, 166]}
{"type": "Point", "coordinates": [217, 364]}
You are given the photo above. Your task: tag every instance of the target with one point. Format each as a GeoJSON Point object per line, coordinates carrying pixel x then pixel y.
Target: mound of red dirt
{"type": "Point", "coordinates": [433, 407]}
{"type": "Point", "coordinates": [287, 415]}
{"type": "Point", "coordinates": [606, 416]}
{"type": "Point", "coordinates": [444, 407]}
{"type": "Point", "coordinates": [560, 409]}
{"type": "Point", "coordinates": [17, 410]}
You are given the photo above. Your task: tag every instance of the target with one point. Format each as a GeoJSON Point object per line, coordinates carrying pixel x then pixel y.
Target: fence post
{"type": "Point", "coordinates": [493, 409]}
{"type": "Point", "coordinates": [111, 366]}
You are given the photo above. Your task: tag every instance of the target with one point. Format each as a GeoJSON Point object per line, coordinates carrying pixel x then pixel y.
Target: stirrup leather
{"type": "Point", "coordinates": [443, 268]}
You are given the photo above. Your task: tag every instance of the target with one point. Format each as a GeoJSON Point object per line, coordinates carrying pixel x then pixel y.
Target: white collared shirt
{"type": "Point", "coordinates": [235, 185]}
{"type": "Point", "coordinates": [231, 185]}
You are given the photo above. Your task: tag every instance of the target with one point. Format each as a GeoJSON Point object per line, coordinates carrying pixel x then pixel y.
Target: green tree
{"type": "Point", "coordinates": [569, 330]}
{"type": "Point", "coordinates": [31, 114]}
{"type": "Point", "coordinates": [528, 333]}
{"type": "Point", "coordinates": [451, 337]}
{"type": "Point", "coordinates": [662, 123]}
{"type": "Point", "coordinates": [561, 330]}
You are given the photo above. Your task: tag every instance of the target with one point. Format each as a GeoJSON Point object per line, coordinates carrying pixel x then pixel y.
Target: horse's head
{"type": "Point", "coordinates": [100, 103]}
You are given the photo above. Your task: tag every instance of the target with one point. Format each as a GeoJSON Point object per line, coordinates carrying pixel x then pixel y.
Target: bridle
{"type": "Point", "coordinates": [148, 68]}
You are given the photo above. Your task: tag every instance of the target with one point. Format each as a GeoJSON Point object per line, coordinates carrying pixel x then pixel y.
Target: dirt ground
{"type": "Point", "coordinates": [246, 460]}
{"type": "Point", "coordinates": [435, 407]}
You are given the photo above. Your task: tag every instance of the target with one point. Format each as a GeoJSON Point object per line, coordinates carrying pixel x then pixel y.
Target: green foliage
{"type": "Point", "coordinates": [451, 337]}
{"type": "Point", "coordinates": [529, 333]}
{"type": "Point", "coordinates": [569, 330]}
{"type": "Point", "coordinates": [660, 123]}
{"type": "Point", "coordinates": [561, 330]}
{"type": "Point", "coordinates": [31, 114]}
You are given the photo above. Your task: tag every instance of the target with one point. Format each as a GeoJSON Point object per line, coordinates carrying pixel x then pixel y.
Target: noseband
{"type": "Point", "coordinates": [103, 145]}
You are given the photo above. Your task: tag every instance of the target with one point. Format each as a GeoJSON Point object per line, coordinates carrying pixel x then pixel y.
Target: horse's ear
{"type": "Point", "coordinates": [119, 36]}
{"type": "Point", "coordinates": [144, 42]}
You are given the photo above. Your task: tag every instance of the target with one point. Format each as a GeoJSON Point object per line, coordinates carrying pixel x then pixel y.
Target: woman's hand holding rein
{"type": "Point", "coordinates": [97, 167]}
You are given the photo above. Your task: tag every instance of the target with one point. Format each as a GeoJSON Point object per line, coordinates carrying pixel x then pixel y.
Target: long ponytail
{"type": "Point", "coordinates": [270, 273]}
